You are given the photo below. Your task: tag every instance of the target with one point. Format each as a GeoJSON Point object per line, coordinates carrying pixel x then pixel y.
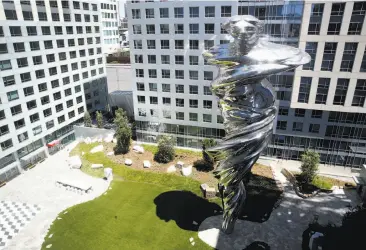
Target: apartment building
{"type": "Point", "coordinates": [320, 105]}
{"type": "Point", "coordinates": [110, 19]}
{"type": "Point", "coordinates": [327, 110]}
{"type": "Point", "coordinates": [48, 51]}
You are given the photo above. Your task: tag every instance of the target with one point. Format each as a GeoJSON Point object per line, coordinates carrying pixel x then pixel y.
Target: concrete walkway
{"type": "Point", "coordinates": [344, 173]}
{"type": "Point", "coordinates": [37, 187]}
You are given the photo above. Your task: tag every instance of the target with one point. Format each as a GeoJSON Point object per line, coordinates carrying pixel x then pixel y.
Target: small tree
{"type": "Point", "coordinates": [165, 151]}
{"type": "Point", "coordinates": [123, 133]}
{"type": "Point", "coordinates": [309, 166]}
{"type": "Point", "coordinates": [99, 119]}
{"type": "Point", "coordinates": [87, 120]}
{"type": "Point", "coordinates": [208, 143]}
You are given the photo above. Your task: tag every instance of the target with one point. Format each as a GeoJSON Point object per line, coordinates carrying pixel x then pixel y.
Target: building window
{"type": "Point", "coordinates": [314, 128]}
{"type": "Point", "coordinates": [150, 28]}
{"type": "Point", "coordinates": [139, 59]}
{"type": "Point", "coordinates": [193, 75]}
{"type": "Point", "coordinates": [328, 56]}
{"type": "Point", "coordinates": [5, 65]}
{"type": "Point", "coordinates": [208, 75]}
{"type": "Point", "coordinates": [210, 11]}
{"type": "Point", "coordinates": [193, 117]}
{"type": "Point", "coordinates": [193, 103]}
{"type": "Point", "coordinates": [19, 123]}
{"type": "Point", "coordinates": [31, 104]}
{"type": "Point", "coordinates": [207, 118]}
{"type": "Point", "coordinates": [140, 99]}
{"type": "Point", "coordinates": [348, 58]}
{"type": "Point", "coordinates": [23, 137]}
{"type": "Point", "coordinates": [178, 12]}
{"type": "Point", "coordinates": [153, 100]}
{"type": "Point", "coordinates": [179, 88]}
{"type": "Point", "coordinates": [149, 13]}
{"type": "Point", "coordinates": [207, 90]}
{"type": "Point", "coordinates": [337, 9]}
{"type": "Point", "coordinates": [28, 91]}
{"type": "Point", "coordinates": [8, 143]}
{"type": "Point", "coordinates": [360, 93]}
{"type": "Point", "coordinates": [316, 114]}
{"type": "Point", "coordinates": [341, 91]}
{"type": "Point", "coordinates": [194, 12]}
{"type": "Point", "coordinates": [209, 28]}
{"type": "Point", "coordinates": [179, 115]}
{"type": "Point", "coordinates": [151, 59]}
{"type": "Point", "coordinates": [179, 102]}
{"type": "Point", "coordinates": [153, 87]}
{"type": "Point", "coordinates": [18, 47]}
{"type": "Point", "coordinates": [45, 100]}
{"type": "Point", "coordinates": [179, 60]}
{"type": "Point", "coordinates": [314, 28]}
{"type": "Point", "coordinates": [136, 29]}
{"type": "Point", "coordinates": [164, 28]}
{"type": "Point", "coordinates": [225, 11]}
{"type": "Point", "coordinates": [60, 119]}
{"type": "Point", "coordinates": [139, 73]}
{"type": "Point", "coordinates": [281, 125]}
{"type": "Point", "coordinates": [208, 44]}
{"type": "Point", "coordinates": [42, 87]}
{"type": "Point", "coordinates": [193, 60]}
{"type": "Point", "coordinates": [220, 119]}
{"type": "Point", "coordinates": [300, 112]}
{"type": "Point", "coordinates": [8, 80]}
{"type": "Point", "coordinates": [142, 112]}
{"type": "Point", "coordinates": [16, 110]}
{"type": "Point", "coordinates": [297, 126]}
{"type": "Point", "coordinates": [305, 85]}
{"type": "Point", "coordinates": [165, 73]}
{"type": "Point", "coordinates": [311, 48]}
{"type": "Point", "coordinates": [193, 28]}
{"type": "Point", "coordinates": [179, 44]}
{"type": "Point", "coordinates": [322, 91]}
{"type": "Point", "coordinates": [164, 44]}
{"type": "Point", "coordinates": [33, 118]}
{"type": "Point", "coordinates": [165, 87]}
{"type": "Point", "coordinates": [136, 14]}
{"type": "Point", "coordinates": [165, 59]}
{"type": "Point", "coordinates": [12, 95]}
{"type": "Point", "coordinates": [283, 111]}
{"type": "Point", "coordinates": [193, 44]}
{"type": "Point", "coordinates": [152, 73]}
{"type": "Point", "coordinates": [179, 28]}
{"type": "Point", "coordinates": [164, 12]}
{"type": "Point", "coordinates": [167, 114]}
{"type": "Point", "coordinates": [166, 101]}
{"type": "Point", "coordinates": [193, 89]}
{"type": "Point", "coordinates": [207, 104]}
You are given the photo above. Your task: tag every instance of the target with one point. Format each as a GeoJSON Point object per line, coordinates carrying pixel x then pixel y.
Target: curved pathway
{"type": "Point", "coordinates": [37, 188]}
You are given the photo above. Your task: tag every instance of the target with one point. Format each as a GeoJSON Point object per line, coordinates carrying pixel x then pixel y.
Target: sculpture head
{"type": "Point", "coordinates": [244, 29]}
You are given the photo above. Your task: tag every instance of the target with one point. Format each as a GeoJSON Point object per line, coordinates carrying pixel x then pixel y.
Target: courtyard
{"type": "Point", "coordinates": [150, 209]}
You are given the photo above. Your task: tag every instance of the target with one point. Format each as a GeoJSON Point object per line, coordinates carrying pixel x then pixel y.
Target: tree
{"type": "Point", "coordinates": [165, 151]}
{"type": "Point", "coordinates": [87, 120]}
{"type": "Point", "coordinates": [206, 164]}
{"type": "Point", "coordinates": [123, 132]}
{"type": "Point", "coordinates": [309, 166]}
{"type": "Point", "coordinates": [99, 119]}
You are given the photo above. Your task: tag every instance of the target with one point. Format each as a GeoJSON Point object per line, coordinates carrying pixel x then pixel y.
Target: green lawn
{"type": "Point", "coordinates": [124, 218]}
{"type": "Point", "coordinates": [130, 216]}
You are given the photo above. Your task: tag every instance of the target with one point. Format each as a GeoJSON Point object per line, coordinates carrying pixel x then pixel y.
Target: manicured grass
{"type": "Point", "coordinates": [129, 216]}
{"type": "Point", "coordinates": [181, 152]}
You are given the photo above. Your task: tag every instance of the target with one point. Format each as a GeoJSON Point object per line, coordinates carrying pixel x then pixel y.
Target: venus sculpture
{"type": "Point", "coordinates": [247, 104]}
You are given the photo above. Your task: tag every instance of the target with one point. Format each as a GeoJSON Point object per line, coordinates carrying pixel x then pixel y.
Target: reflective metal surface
{"type": "Point", "coordinates": [247, 104]}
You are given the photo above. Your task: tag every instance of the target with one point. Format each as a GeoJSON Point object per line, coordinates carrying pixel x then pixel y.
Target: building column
{"type": "Point", "coordinates": [20, 169]}
{"type": "Point", "coordinates": [45, 147]}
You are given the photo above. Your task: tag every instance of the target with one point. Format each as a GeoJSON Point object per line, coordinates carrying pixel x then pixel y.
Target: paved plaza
{"type": "Point", "coordinates": [40, 200]}
{"type": "Point", "coordinates": [284, 228]}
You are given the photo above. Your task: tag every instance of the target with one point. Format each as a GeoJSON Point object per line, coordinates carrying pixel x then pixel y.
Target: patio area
{"type": "Point", "coordinates": [42, 199]}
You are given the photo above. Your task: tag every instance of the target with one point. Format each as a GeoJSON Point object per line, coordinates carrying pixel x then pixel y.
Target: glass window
{"type": "Point", "coordinates": [225, 11]}
{"type": "Point", "coordinates": [194, 12]}
{"type": "Point", "coordinates": [341, 91]}
{"type": "Point", "coordinates": [164, 12]}
{"type": "Point", "coordinates": [210, 11]}
{"type": "Point", "coordinates": [178, 12]}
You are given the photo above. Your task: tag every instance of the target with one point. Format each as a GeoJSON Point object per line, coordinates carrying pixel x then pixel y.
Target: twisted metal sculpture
{"type": "Point", "coordinates": [247, 104]}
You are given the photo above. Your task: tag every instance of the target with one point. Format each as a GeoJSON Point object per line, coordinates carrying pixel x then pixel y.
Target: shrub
{"type": "Point", "coordinates": [99, 119]}
{"type": "Point", "coordinates": [123, 133]}
{"type": "Point", "coordinates": [87, 120]}
{"type": "Point", "coordinates": [165, 151]}
{"type": "Point", "coordinates": [203, 166]}
{"type": "Point", "coordinates": [309, 165]}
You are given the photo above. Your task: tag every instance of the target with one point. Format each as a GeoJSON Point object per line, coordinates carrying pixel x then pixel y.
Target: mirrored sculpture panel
{"type": "Point", "coordinates": [247, 102]}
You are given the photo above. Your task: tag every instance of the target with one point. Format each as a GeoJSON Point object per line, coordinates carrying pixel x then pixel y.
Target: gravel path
{"type": "Point", "coordinates": [37, 186]}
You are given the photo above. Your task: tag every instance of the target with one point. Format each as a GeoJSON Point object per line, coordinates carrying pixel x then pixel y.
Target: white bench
{"type": "Point", "coordinates": [74, 184]}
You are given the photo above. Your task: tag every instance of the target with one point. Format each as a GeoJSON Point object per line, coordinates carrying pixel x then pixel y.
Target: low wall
{"type": "Point", "coordinates": [84, 132]}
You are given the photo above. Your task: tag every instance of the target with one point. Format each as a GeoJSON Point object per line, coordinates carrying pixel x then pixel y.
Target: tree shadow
{"type": "Point", "coordinates": [263, 197]}
{"type": "Point", "coordinates": [185, 208]}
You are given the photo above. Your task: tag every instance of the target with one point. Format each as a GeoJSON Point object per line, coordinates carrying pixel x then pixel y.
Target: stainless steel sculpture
{"type": "Point", "coordinates": [247, 104]}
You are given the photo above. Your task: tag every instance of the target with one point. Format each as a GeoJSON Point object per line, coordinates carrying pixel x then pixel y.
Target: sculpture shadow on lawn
{"type": "Point", "coordinates": [186, 208]}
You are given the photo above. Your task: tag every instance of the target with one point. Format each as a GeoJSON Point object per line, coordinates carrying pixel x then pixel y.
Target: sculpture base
{"type": "Point", "coordinates": [243, 236]}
